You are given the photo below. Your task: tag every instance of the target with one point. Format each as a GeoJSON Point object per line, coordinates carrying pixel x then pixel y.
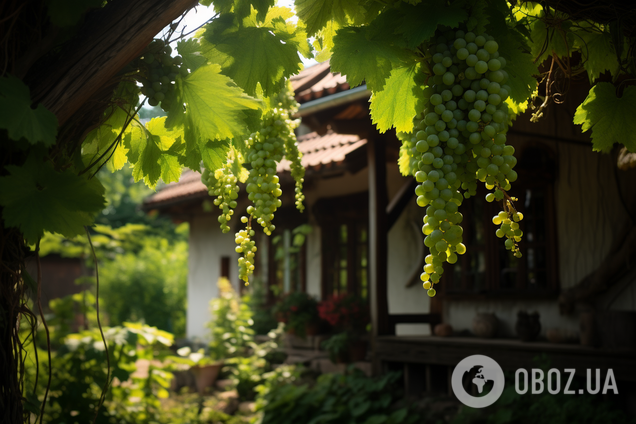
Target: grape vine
{"type": "Point", "coordinates": [460, 139]}
{"type": "Point", "coordinates": [265, 150]}
{"type": "Point", "coordinates": [158, 71]}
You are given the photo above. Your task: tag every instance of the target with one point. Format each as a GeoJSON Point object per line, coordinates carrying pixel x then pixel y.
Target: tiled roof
{"type": "Point", "coordinates": [318, 151]}
{"type": "Point", "coordinates": [317, 81]}
{"type": "Point", "coordinates": [189, 187]}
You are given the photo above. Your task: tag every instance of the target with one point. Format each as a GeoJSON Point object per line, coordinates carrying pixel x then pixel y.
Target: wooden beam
{"type": "Point", "coordinates": [399, 202]}
{"type": "Point", "coordinates": [378, 238]}
{"type": "Point", "coordinates": [109, 39]}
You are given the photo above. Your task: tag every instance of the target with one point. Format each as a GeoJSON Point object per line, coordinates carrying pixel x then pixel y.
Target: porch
{"type": "Point", "coordinates": [428, 361]}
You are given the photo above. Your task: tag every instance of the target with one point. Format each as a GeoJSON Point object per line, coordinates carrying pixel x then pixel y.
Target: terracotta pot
{"type": "Point", "coordinates": [205, 375]}
{"type": "Point", "coordinates": [443, 330]}
{"type": "Point", "coordinates": [358, 351]}
{"type": "Point", "coordinates": [528, 326]}
{"type": "Point", "coordinates": [485, 325]}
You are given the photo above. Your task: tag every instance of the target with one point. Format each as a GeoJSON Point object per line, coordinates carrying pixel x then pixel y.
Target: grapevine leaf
{"type": "Point", "coordinates": [417, 23]}
{"type": "Point", "coordinates": [610, 118]}
{"type": "Point", "coordinates": [478, 20]}
{"type": "Point", "coordinates": [323, 43]}
{"type": "Point", "coordinates": [143, 155]}
{"type": "Point", "coordinates": [558, 39]}
{"type": "Point", "coordinates": [36, 198]}
{"type": "Point", "coordinates": [214, 153]}
{"type": "Point", "coordinates": [404, 162]}
{"type": "Point", "coordinates": [316, 13]}
{"type": "Point", "coordinates": [519, 64]}
{"type": "Point", "coordinates": [172, 146]}
{"type": "Point", "coordinates": [598, 53]}
{"type": "Point", "coordinates": [363, 57]}
{"type": "Point", "coordinates": [214, 105]}
{"type": "Point", "coordinates": [19, 119]}
{"type": "Point", "coordinates": [396, 104]}
{"type": "Point", "coordinates": [66, 13]}
{"type": "Point", "coordinates": [244, 7]}
{"type": "Point", "coordinates": [252, 53]}
{"type": "Point", "coordinates": [190, 51]}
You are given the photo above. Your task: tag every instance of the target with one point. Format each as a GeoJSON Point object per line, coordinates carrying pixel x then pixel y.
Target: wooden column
{"type": "Point", "coordinates": [378, 239]}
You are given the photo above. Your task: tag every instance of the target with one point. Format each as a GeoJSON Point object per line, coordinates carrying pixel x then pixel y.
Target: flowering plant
{"type": "Point", "coordinates": [345, 311]}
{"type": "Point", "coordinates": [297, 310]}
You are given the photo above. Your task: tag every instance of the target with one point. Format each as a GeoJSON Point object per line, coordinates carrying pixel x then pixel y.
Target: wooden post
{"type": "Point", "coordinates": [378, 241]}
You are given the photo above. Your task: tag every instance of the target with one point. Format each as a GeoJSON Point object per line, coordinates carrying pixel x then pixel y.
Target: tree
{"type": "Point", "coordinates": [69, 95]}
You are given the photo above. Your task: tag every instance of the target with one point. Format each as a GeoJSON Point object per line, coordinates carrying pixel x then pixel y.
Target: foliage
{"type": "Point", "coordinates": [337, 345]}
{"type": "Point", "coordinates": [298, 309]}
{"type": "Point", "coordinates": [63, 316]}
{"type": "Point", "coordinates": [248, 372]}
{"type": "Point", "coordinates": [346, 311]}
{"type": "Point", "coordinates": [80, 372]}
{"type": "Point", "coordinates": [231, 323]}
{"type": "Point", "coordinates": [149, 283]}
{"type": "Point", "coordinates": [337, 398]}
{"type": "Point", "coordinates": [262, 314]}
{"type": "Point", "coordinates": [544, 407]}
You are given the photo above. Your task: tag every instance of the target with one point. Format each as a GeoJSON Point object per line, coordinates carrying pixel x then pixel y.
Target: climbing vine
{"type": "Point", "coordinates": [69, 103]}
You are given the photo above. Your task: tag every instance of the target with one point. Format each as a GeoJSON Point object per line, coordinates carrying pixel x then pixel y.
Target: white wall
{"type": "Point", "coordinates": [207, 245]}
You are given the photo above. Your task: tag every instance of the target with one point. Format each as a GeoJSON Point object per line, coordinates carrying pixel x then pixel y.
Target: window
{"type": "Point", "coordinates": [344, 227]}
{"type": "Point", "coordinates": [287, 264]}
{"type": "Point", "coordinates": [345, 250]}
{"type": "Point", "coordinates": [487, 267]}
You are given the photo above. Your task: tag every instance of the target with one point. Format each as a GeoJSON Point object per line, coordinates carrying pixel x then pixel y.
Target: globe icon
{"type": "Point", "coordinates": [481, 377]}
{"type": "Point", "coordinates": [477, 381]}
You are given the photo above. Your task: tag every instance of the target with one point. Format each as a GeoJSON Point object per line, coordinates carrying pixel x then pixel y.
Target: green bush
{"type": "Point", "coordinates": [79, 374]}
{"type": "Point", "coordinates": [336, 399]}
{"type": "Point", "coordinates": [231, 325]}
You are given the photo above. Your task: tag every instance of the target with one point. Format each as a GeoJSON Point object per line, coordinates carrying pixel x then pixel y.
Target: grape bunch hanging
{"type": "Point", "coordinates": [460, 139]}
{"type": "Point", "coordinates": [157, 72]}
{"type": "Point", "coordinates": [266, 148]}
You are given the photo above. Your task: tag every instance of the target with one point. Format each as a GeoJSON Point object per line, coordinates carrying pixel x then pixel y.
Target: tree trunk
{"type": "Point", "coordinates": [75, 82]}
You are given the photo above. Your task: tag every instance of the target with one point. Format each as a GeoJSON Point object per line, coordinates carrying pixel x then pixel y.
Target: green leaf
{"type": "Point", "coordinates": [316, 13]}
{"type": "Point", "coordinates": [16, 116]}
{"type": "Point", "coordinates": [598, 53]}
{"type": "Point", "coordinates": [546, 40]}
{"type": "Point", "coordinates": [190, 51]}
{"type": "Point", "coordinates": [37, 198]}
{"type": "Point", "coordinates": [154, 153]}
{"type": "Point", "coordinates": [376, 419]}
{"type": "Point", "coordinates": [214, 105]}
{"type": "Point", "coordinates": [254, 52]}
{"type": "Point", "coordinates": [417, 23]}
{"type": "Point", "coordinates": [323, 43]}
{"type": "Point", "coordinates": [478, 18]}
{"type": "Point", "coordinates": [214, 153]}
{"type": "Point", "coordinates": [610, 118]}
{"type": "Point", "coordinates": [66, 13]}
{"type": "Point", "coordinates": [520, 66]}
{"type": "Point", "coordinates": [396, 104]}
{"type": "Point", "coordinates": [361, 56]}
{"type": "Point", "coordinates": [398, 416]}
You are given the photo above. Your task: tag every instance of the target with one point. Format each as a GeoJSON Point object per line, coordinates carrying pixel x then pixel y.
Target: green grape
{"type": "Point", "coordinates": [247, 248]}
{"type": "Point", "coordinates": [223, 184]}
{"type": "Point", "coordinates": [459, 139]}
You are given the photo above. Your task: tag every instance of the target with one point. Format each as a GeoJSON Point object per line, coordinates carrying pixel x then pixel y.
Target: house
{"type": "Point", "coordinates": [578, 248]}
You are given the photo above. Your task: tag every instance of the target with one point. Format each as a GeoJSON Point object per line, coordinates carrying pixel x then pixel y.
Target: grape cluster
{"type": "Point", "coordinates": [157, 72]}
{"type": "Point", "coordinates": [461, 140]}
{"type": "Point", "coordinates": [247, 247]}
{"type": "Point", "coordinates": [263, 187]}
{"type": "Point", "coordinates": [224, 185]}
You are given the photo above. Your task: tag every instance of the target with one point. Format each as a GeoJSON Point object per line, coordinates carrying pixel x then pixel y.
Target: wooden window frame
{"type": "Point", "coordinates": [529, 179]}
{"type": "Point", "coordinates": [331, 214]}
